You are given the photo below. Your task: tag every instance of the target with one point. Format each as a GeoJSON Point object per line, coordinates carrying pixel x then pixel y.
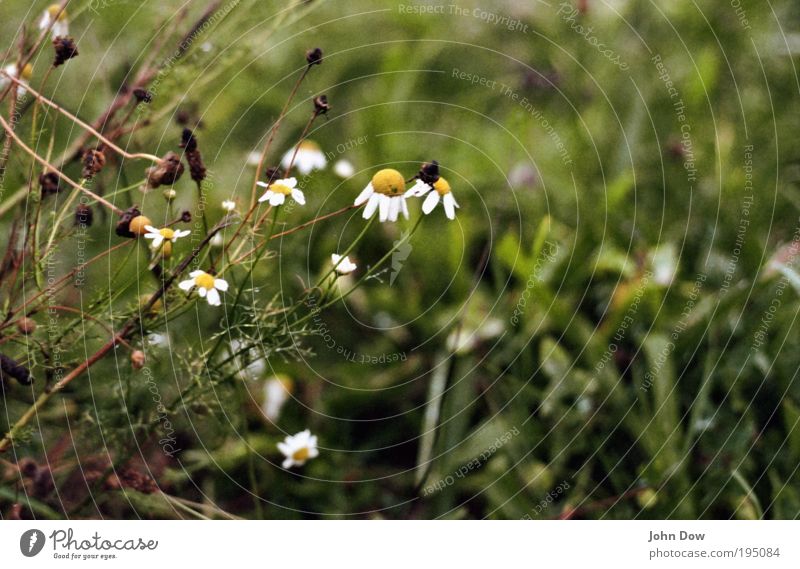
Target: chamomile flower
{"type": "Point", "coordinates": [208, 287]}
{"type": "Point", "coordinates": [441, 192]}
{"type": "Point", "coordinates": [278, 190]}
{"type": "Point", "coordinates": [24, 77]}
{"type": "Point", "coordinates": [309, 158]}
{"type": "Point", "coordinates": [166, 234]}
{"type": "Point", "coordinates": [343, 169]}
{"type": "Point", "coordinates": [298, 448]}
{"type": "Point", "coordinates": [277, 391]}
{"type": "Point", "coordinates": [343, 265]}
{"type": "Point", "coordinates": [229, 205]}
{"type": "Point", "coordinates": [54, 15]}
{"type": "Point", "coordinates": [386, 193]}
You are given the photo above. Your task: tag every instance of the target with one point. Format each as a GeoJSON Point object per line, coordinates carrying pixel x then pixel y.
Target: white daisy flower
{"type": "Point", "coordinates": [343, 265]}
{"type": "Point", "coordinates": [61, 25]}
{"type": "Point", "coordinates": [385, 193]}
{"type": "Point", "coordinates": [298, 448]}
{"type": "Point", "coordinates": [441, 192]}
{"type": "Point", "coordinates": [277, 390]}
{"type": "Point", "coordinates": [229, 205]}
{"type": "Point", "coordinates": [11, 69]}
{"type": "Point", "coordinates": [309, 158]}
{"type": "Point", "coordinates": [159, 235]}
{"type": "Point", "coordinates": [208, 287]}
{"type": "Point", "coordinates": [278, 190]}
{"type": "Point", "coordinates": [343, 169]}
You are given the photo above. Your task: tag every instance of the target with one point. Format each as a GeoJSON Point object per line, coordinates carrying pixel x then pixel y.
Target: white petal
{"type": "Point", "coordinates": [288, 463]}
{"type": "Point", "coordinates": [186, 285]}
{"type": "Point", "coordinates": [394, 208]}
{"type": "Point", "coordinates": [151, 229]}
{"type": "Point", "coordinates": [372, 205]}
{"type": "Point", "coordinates": [430, 202]}
{"type": "Point", "coordinates": [284, 448]}
{"type": "Point", "coordinates": [383, 211]}
{"type": "Point", "coordinates": [157, 240]}
{"type": "Point", "coordinates": [262, 184]}
{"type": "Point", "coordinates": [276, 199]}
{"type": "Point", "coordinates": [405, 208]}
{"type": "Point", "coordinates": [181, 233]}
{"type": "Point", "coordinates": [196, 273]}
{"type": "Point", "coordinates": [335, 258]}
{"type": "Point", "coordinates": [298, 196]}
{"type": "Point", "coordinates": [213, 297]}
{"type": "Point", "coordinates": [287, 158]}
{"type": "Point", "coordinates": [289, 182]}
{"type": "Point", "coordinates": [343, 169]}
{"type": "Point", "coordinates": [449, 206]}
{"type": "Point", "coordinates": [221, 284]}
{"type": "Point", "coordinates": [202, 292]}
{"type": "Point", "coordinates": [364, 195]}
{"type": "Point", "coordinates": [267, 196]}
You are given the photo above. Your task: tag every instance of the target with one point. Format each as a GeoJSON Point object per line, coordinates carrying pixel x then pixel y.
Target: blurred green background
{"type": "Point", "coordinates": [606, 330]}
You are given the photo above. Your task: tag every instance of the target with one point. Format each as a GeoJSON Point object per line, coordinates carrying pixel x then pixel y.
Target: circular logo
{"type": "Point", "coordinates": [31, 542]}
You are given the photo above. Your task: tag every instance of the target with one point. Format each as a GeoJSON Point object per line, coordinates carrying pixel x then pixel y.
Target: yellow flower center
{"type": "Point", "coordinates": [300, 454]}
{"type": "Point", "coordinates": [167, 233]}
{"type": "Point", "coordinates": [279, 188]}
{"type": "Point", "coordinates": [27, 71]}
{"type": "Point", "coordinates": [441, 186]}
{"type": "Point", "coordinates": [204, 281]}
{"type": "Point", "coordinates": [309, 145]}
{"type": "Point", "coordinates": [389, 182]}
{"type": "Point", "coordinates": [53, 9]}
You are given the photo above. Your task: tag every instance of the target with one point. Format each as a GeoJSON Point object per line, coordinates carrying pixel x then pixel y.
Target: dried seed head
{"type": "Point", "coordinates": [43, 484]}
{"type": "Point", "coordinates": [49, 182]}
{"type": "Point", "coordinates": [138, 224]}
{"type": "Point", "coordinates": [272, 174]}
{"type": "Point", "coordinates": [124, 224]}
{"type": "Point", "coordinates": [83, 215]}
{"type": "Point", "coordinates": [137, 359]}
{"type": "Point", "coordinates": [28, 467]}
{"type": "Point", "coordinates": [10, 368]}
{"type": "Point", "coordinates": [314, 56]}
{"type": "Point", "coordinates": [186, 216]}
{"type": "Point", "coordinates": [142, 95]}
{"type": "Point", "coordinates": [197, 169]}
{"type": "Point", "coordinates": [26, 325]}
{"type": "Point", "coordinates": [166, 173]}
{"type": "Point", "coordinates": [93, 162]}
{"type": "Point", "coordinates": [429, 172]}
{"type": "Point", "coordinates": [321, 105]}
{"type": "Point", "coordinates": [65, 50]}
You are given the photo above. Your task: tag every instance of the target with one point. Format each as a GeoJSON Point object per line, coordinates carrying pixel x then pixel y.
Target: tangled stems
{"type": "Point", "coordinates": [117, 339]}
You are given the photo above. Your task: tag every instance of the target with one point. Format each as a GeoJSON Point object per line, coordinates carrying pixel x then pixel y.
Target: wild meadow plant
{"type": "Point", "coordinates": [174, 261]}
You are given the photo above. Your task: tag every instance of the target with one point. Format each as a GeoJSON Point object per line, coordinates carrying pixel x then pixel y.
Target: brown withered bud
{"type": "Point", "coordinates": [429, 172]}
{"type": "Point", "coordinates": [186, 216]}
{"type": "Point", "coordinates": [142, 95]}
{"type": "Point", "coordinates": [10, 368]}
{"type": "Point", "coordinates": [137, 359]}
{"type": "Point", "coordinates": [65, 50]}
{"type": "Point", "coordinates": [166, 173]}
{"type": "Point", "coordinates": [321, 105]}
{"type": "Point", "coordinates": [124, 224]}
{"type": "Point", "coordinates": [314, 56]}
{"type": "Point", "coordinates": [272, 174]}
{"type": "Point", "coordinates": [28, 467]}
{"type": "Point", "coordinates": [49, 182]}
{"type": "Point", "coordinates": [197, 169]}
{"type": "Point", "coordinates": [83, 215]}
{"type": "Point", "coordinates": [129, 478]}
{"type": "Point", "coordinates": [93, 162]}
{"type": "Point", "coordinates": [26, 325]}
{"type": "Point", "coordinates": [15, 512]}
{"type": "Point", "coordinates": [43, 484]}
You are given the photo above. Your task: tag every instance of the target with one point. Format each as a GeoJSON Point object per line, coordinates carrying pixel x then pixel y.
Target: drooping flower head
{"type": "Point", "coordinates": [13, 70]}
{"type": "Point", "coordinates": [207, 285]}
{"type": "Point", "coordinates": [298, 448]}
{"type": "Point", "coordinates": [165, 234]}
{"type": "Point", "coordinates": [278, 190]}
{"type": "Point", "coordinates": [441, 192]}
{"type": "Point", "coordinates": [309, 158]}
{"type": "Point", "coordinates": [386, 193]}
{"type": "Point", "coordinates": [56, 16]}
